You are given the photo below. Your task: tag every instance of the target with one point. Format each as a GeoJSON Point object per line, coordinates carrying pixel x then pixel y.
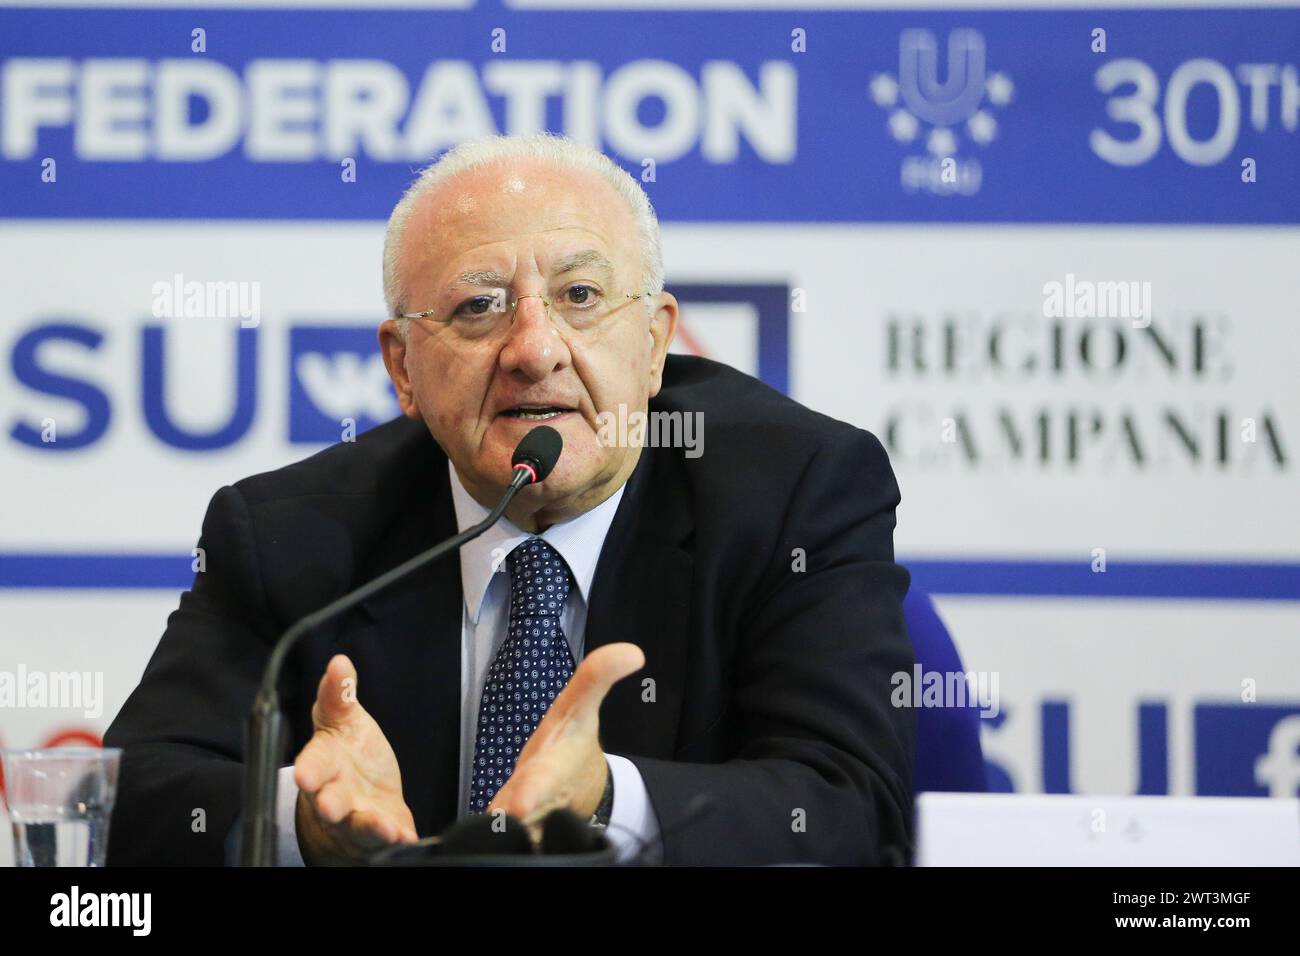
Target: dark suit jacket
{"type": "Point", "coordinates": [771, 677]}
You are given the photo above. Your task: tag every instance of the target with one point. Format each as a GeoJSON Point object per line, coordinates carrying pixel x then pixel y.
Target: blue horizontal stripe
{"type": "Point", "coordinates": [161, 571]}
{"type": "Point", "coordinates": [1131, 579]}
{"type": "Point", "coordinates": [1027, 578]}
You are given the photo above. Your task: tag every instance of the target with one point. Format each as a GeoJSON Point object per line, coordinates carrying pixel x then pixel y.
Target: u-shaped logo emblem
{"type": "Point", "coordinates": [960, 94]}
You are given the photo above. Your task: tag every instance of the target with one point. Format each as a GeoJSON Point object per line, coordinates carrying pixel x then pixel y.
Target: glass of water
{"type": "Point", "coordinates": [59, 802]}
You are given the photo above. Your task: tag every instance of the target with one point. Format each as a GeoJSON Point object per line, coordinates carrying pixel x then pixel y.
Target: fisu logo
{"type": "Point", "coordinates": [926, 110]}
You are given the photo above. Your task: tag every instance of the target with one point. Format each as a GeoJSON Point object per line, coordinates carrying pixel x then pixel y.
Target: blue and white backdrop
{"type": "Point", "coordinates": [1050, 255]}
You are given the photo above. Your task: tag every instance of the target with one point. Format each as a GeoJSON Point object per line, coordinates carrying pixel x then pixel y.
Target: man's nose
{"type": "Point", "coordinates": [535, 346]}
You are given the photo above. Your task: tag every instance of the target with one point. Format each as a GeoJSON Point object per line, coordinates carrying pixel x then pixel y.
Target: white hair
{"type": "Point", "coordinates": [546, 147]}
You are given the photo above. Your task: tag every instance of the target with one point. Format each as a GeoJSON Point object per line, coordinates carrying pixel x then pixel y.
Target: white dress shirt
{"type": "Point", "coordinates": [485, 583]}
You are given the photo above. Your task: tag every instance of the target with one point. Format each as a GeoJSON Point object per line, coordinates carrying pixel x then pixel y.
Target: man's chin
{"type": "Point", "coordinates": [568, 480]}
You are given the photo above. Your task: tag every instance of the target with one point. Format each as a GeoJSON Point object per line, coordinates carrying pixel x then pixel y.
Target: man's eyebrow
{"type": "Point", "coordinates": [579, 260]}
{"type": "Point", "coordinates": [482, 278]}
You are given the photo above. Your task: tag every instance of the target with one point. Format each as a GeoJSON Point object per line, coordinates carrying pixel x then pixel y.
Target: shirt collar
{"type": "Point", "coordinates": [578, 540]}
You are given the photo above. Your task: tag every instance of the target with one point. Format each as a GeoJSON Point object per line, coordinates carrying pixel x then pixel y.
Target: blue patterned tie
{"type": "Point", "coordinates": [528, 672]}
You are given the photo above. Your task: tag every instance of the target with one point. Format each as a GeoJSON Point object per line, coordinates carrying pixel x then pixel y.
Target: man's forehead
{"type": "Point", "coordinates": [529, 197]}
{"type": "Point", "coordinates": [558, 208]}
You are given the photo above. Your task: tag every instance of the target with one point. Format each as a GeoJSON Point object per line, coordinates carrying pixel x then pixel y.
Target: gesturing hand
{"type": "Point", "coordinates": [562, 765]}
{"type": "Point", "coordinates": [350, 787]}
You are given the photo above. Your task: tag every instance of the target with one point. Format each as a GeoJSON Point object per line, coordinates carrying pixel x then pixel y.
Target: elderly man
{"type": "Point", "coordinates": [709, 676]}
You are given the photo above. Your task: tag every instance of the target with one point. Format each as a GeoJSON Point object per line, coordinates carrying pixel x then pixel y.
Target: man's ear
{"type": "Point", "coordinates": [663, 326]}
{"type": "Point", "coordinates": [393, 347]}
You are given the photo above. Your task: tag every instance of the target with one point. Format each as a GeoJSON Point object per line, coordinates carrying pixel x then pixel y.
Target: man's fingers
{"type": "Point", "coordinates": [336, 696]}
{"type": "Point", "coordinates": [365, 827]}
{"type": "Point", "coordinates": [599, 671]}
{"type": "Point", "coordinates": [382, 827]}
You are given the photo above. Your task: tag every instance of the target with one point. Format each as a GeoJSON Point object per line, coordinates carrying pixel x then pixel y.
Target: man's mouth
{"type": "Point", "coordinates": [535, 413]}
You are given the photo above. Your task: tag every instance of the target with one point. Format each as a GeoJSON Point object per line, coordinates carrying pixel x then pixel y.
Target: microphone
{"type": "Point", "coordinates": [538, 451]}
{"type": "Point", "coordinates": [265, 733]}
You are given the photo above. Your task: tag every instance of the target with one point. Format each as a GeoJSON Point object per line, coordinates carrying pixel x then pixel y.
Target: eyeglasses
{"type": "Point", "coordinates": [580, 308]}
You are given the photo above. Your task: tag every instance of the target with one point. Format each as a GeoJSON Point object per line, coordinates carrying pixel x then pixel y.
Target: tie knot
{"type": "Point", "coordinates": [539, 579]}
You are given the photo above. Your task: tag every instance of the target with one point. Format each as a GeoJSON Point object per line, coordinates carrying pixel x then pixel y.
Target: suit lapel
{"type": "Point", "coordinates": [641, 594]}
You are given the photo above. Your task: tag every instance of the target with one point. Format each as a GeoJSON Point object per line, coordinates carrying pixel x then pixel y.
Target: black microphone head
{"type": "Point", "coordinates": [540, 450]}
{"type": "Point", "coordinates": [563, 831]}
